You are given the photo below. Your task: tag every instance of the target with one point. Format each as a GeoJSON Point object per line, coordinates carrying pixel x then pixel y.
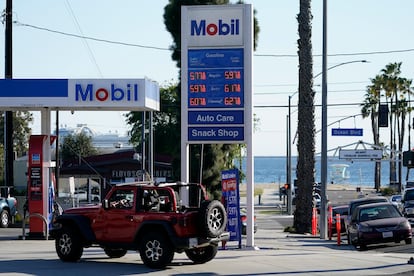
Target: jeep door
{"type": "Point", "coordinates": [116, 224]}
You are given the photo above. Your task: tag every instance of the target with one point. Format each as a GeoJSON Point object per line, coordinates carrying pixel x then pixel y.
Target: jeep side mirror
{"type": "Point", "coordinates": [105, 204]}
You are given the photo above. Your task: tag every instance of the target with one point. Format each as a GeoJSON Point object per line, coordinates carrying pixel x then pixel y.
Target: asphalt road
{"type": "Point", "coordinates": [275, 253]}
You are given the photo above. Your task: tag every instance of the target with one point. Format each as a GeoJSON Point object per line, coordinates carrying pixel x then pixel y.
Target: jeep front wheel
{"type": "Point", "coordinates": [156, 250]}
{"type": "Point", "coordinates": [68, 245]}
{"type": "Point", "coordinates": [214, 218]}
{"type": "Point", "coordinates": [202, 255]}
{"type": "Point", "coordinates": [115, 253]}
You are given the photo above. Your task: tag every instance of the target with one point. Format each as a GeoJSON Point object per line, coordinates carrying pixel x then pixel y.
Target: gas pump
{"type": "Point", "coordinates": [39, 184]}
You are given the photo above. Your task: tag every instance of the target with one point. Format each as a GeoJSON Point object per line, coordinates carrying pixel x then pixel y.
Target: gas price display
{"type": "Point", "coordinates": [215, 78]}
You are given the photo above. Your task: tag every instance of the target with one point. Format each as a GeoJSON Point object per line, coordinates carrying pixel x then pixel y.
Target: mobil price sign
{"type": "Point", "coordinates": [231, 198]}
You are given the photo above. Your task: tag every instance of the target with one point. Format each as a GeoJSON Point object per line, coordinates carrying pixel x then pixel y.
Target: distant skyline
{"type": "Point", "coordinates": [137, 45]}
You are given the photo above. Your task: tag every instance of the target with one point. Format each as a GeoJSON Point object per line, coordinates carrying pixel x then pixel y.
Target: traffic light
{"type": "Point", "coordinates": [383, 115]}
{"type": "Point", "coordinates": [408, 159]}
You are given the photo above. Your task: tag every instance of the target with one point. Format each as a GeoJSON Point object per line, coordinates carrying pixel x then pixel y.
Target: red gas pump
{"type": "Point", "coordinates": [38, 184]}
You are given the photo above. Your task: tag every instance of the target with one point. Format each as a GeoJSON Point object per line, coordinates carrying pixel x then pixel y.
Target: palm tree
{"type": "Point", "coordinates": [370, 108]}
{"type": "Point", "coordinates": [306, 123]}
{"type": "Point", "coordinates": [396, 89]}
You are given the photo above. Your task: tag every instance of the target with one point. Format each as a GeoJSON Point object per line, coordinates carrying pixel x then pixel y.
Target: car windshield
{"type": "Point", "coordinates": [357, 203]}
{"type": "Point", "coordinates": [409, 195]}
{"type": "Point", "coordinates": [378, 212]}
{"type": "Point", "coordinates": [396, 198]}
{"type": "Point", "coordinates": [341, 211]}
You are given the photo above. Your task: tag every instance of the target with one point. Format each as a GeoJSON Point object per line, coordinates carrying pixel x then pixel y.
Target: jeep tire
{"type": "Point", "coordinates": [115, 253]}
{"type": "Point", "coordinates": [68, 245]}
{"type": "Point", "coordinates": [4, 219]}
{"type": "Point", "coordinates": [202, 255]}
{"type": "Point", "coordinates": [213, 218]}
{"type": "Point", "coordinates": [156, 250]}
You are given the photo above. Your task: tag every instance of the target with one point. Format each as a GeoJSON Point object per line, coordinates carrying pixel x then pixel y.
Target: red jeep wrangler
{"type": "Point", "coordinates": [154, 220]}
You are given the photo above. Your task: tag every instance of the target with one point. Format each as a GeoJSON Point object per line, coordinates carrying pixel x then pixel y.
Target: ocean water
{"type": "Point", "coordinates": [357, 173]}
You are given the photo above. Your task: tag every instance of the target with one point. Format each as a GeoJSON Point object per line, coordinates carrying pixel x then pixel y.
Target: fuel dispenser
{"type": "Point", "coordinates": [40, 190]}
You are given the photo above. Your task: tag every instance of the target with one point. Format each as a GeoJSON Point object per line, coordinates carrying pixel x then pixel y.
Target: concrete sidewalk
{"type": "Point", "coordinates": [279, 253]}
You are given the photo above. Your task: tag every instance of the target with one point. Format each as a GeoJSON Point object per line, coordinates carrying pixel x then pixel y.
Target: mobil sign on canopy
{"type": "Point", "coordinates": [110, 93]}
{"type": "Point", "coordinates": [214, 29]}
{"type": "Point", "coordinates": [70, 94]}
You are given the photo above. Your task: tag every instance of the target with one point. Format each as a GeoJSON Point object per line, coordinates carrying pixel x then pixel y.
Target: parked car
{"type": "Point", "coordinates": [378, 223]}
{"type": "Point", "coordinates": [243, 218]}
{"type": "Point", "coordinates": [8, 207]}
{"type": "Point", "coordinates": [353, 204]}
{"type": "Point", "coordinates": [408, 204]}
{"type": "Point", "coordinates": [342, 210]}
{"type": "Point", "coordinates": [396, 200]}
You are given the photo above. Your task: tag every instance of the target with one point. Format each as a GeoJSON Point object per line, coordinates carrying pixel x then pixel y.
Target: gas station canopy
{"type": "Point", "coordinates": [79, 94]}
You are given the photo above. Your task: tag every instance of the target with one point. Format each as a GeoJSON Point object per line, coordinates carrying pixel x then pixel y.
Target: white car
{"type": "Point", "coordinates": [397, 201]}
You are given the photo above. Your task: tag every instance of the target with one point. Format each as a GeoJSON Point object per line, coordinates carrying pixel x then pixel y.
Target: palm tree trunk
{"type": "Point", "coordinates": [306, 123]}
{"type": "Point", "coordinates": [375, 131]}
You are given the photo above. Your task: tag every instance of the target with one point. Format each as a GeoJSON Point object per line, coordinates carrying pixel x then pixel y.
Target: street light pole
{"type": "Point", "coordinates": [324, 151]}
{"type": "Point", "coordinates": [289, 158]}
{"type": "Point", "coordinates": [8, 115]}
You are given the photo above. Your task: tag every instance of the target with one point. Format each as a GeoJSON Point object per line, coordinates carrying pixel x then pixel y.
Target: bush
{"type": "Point", "coordinates": [388, 191]}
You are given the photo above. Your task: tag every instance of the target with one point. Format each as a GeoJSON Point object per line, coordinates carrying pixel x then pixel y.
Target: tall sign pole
{"type": "Point", "coordinates": [8, 118]}
{"type": "Point", "coordinates": [324, 157]}
{"type": "Point", "coordinates": [216, 84]}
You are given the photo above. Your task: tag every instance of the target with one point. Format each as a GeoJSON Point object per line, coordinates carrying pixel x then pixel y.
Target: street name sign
{"type": "Point", "coordinates": [347, 132]}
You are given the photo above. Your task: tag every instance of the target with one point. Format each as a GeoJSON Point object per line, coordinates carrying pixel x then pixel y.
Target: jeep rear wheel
{"type": "Point", "coordinates": [202, 255]}
{"type": "Point", "coordinates": [115, 253]}
{"type": "Point", "coordinates": [214, 218]}
{"type": "Point", "coordinates": [4, 219]}
{"type": "Point", "coordinates": [156, 250]}
{"type": "Point", "coordinates": [68, 245]}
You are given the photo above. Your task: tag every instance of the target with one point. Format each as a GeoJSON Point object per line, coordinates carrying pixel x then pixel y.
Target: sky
{"type": "Point", "coordinates": [378, 31]}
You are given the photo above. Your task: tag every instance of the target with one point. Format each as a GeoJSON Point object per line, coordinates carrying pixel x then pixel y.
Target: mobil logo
{"type": "Point", "coordinates": [221, 27]}
{"type": "Point", "coordinates": [113, 93]}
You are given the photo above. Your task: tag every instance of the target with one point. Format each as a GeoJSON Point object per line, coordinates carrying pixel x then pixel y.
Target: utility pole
{"type": "Point", "coordinates": [8, 118]}
{"type": "Point", "coordinates": [324, 158]}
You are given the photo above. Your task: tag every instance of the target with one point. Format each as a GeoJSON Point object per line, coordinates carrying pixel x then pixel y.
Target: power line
{"type": "Point", "coordinates": [315, 105]}
{"type": "Point", "coordinates": [90, 38]}
{"type": "Point", "coordinates": [168, 49]}
{"type": "Point", "coordinates": [342, 54]}
{"type": "Point", "coordinates": [289, 92]}
{"type": "Point", "coordinates": [295, 84]}
{"type": "Point", "coordinates": [85, 42]}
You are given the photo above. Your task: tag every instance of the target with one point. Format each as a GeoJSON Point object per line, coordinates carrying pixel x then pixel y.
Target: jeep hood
{"type": "Point", "coordinates": [83, 210]}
